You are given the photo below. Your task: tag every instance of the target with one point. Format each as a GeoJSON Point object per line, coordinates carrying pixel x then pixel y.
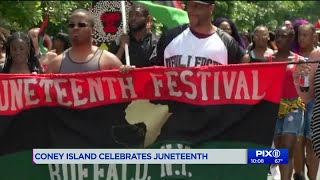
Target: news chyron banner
{"type": "Point", "coordinates": [218, 107]}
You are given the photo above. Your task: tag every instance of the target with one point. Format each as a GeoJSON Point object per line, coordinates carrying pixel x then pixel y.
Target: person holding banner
{"type": "Point", "coordinates": [141, 42]}
{"type": "Point", "coordinates": [198, 43]}
{"type": "Point", "coordinates": [83, 56]}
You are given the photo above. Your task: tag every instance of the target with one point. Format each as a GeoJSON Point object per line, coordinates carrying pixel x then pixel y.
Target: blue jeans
{"type": "Point", "coordinates": [307, 120]}
{"type": "Point", "coordinates": [292, 123]}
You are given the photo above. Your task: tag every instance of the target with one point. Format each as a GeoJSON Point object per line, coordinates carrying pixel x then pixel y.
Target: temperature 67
{"type": "Point", "coordinates": [278, 161]}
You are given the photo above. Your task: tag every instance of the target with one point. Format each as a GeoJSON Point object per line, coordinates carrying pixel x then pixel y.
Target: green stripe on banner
{"type": "Point", "coordinates": [19, 166]}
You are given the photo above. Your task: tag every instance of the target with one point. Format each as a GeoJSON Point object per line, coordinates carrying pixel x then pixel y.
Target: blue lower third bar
{"type": "Point", "coordinates": [268, 156]}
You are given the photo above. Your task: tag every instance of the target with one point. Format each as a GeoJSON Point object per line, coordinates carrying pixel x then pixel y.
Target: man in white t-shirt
{"type": "Point", "coordinates": [198, 43]}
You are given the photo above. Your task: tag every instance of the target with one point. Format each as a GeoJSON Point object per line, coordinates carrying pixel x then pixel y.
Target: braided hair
{"type": "Point", "coordinates": [3, 42]}
{"type": "Point", "coordinates": [33, 62]}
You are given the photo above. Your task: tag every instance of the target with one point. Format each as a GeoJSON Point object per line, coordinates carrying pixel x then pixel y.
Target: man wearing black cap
{"type": "Point", "coordinates": [198, 43]}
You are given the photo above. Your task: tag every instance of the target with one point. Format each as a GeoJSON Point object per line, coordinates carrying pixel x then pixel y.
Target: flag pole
{"type": "Point", "coordinates": [124, 22]}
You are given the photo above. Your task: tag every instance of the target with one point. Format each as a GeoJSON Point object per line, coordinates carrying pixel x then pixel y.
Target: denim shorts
{"type": "Point", "coordinates": [307, 120]}
{"type": "Point", "coordinates": [292, 123]}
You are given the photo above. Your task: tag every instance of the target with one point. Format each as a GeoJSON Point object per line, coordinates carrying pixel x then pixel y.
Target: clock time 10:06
{"type": "Point", "coordinates": [256, 161]}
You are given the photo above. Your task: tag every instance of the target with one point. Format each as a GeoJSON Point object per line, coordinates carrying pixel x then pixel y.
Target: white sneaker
{"type": "Point", "coordinates": [275, 172]}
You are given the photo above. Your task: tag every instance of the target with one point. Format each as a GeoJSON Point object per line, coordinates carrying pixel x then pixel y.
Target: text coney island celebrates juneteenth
{"type": "Point", "coordinates": [121, 156]}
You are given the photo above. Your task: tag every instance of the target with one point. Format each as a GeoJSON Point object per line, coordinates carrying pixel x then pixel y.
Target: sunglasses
{"type": "Point", "coordinates": [281, 36]}
{"type": "Point", "coordinates": [80, 25]}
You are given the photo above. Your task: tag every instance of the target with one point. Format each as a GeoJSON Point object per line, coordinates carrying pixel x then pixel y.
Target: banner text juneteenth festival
{"type": "Point", "coordinates": [202, 86]}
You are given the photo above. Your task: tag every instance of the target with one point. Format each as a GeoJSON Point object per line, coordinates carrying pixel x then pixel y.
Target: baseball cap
{"type": "Point", "coordinates": [204, 2]}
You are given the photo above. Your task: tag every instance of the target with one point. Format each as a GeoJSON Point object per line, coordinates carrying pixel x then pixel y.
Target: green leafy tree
{"type": "Point", "coordinates": [249, 14]}
{"type": "Point", "coordinates": [22, 15]}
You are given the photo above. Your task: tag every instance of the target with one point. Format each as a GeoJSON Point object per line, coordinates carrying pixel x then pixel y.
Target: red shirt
{"type": "Point", "coordinates": [289, 89]}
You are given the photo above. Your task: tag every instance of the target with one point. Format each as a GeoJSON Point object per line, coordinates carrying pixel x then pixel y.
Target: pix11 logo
{"type": "Point", "coordinates": [268, 156]}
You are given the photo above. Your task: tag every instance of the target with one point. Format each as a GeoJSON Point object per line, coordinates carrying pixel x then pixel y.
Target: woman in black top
{"type": "Point", "coordinates": [259, 51]}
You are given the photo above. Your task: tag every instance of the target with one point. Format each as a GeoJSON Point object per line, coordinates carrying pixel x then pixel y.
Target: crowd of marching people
{"type": "Point", "coordinates": [293, 40]}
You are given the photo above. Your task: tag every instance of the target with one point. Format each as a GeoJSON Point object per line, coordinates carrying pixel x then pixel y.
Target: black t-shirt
{"type": "Point", "coordinates": [139, 52]}
{"type": "Point", "coordinates": [180, 46]}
